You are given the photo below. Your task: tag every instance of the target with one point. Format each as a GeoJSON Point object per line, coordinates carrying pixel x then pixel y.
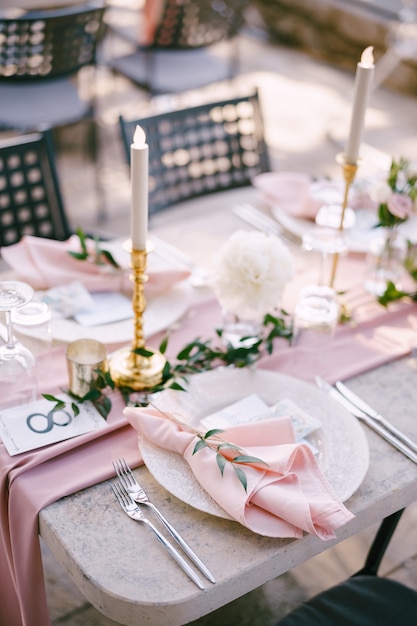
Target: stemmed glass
{"type": "Point", "coordinates": [18, 379]}
{"type": "Point", "coordinates": [317, 308]}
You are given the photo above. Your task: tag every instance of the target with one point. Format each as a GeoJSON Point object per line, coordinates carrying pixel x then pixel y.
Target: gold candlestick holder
{"type": "Point", "coordinates": [128, 368]}
{"type": "Point", "coordinates": [349, 173]}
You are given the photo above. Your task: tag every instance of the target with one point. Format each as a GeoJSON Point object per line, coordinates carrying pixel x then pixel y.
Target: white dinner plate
{"type": "Point", "coordinates": [161, 311]}
{"type": "Point", "coordinates": [343, 453]}
{"type": "Point", "coordinates": [358, 237]}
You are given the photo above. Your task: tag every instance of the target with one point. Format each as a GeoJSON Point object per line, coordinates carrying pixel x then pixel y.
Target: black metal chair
{"type": "Point", "coordinates": [202, 149]}
{"type": "Point", "coordinates": [182, 53]}
{"type": "Point", "coordinates": [365, 599]}
{"type": "Point", "coordinates": [30, 196]}
{"type": "Point", "coordinates": [41, 52]}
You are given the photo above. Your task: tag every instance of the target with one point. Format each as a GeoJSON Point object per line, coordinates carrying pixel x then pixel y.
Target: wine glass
{"type": "Point", "coordinates": [18, 378]}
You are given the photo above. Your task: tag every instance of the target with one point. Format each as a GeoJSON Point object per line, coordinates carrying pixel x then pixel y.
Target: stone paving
{"type": "Point", "coordinates": [306, 106]}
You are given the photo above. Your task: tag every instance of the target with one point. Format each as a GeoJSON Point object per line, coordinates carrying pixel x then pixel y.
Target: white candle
{"type": "Point", "coordinates": [139, 165]}
{"type": "Point", "coordinates": [363, 81]}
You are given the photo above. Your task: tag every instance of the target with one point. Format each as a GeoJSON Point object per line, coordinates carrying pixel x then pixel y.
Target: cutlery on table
{"type": "Point", "coordinates": [261, 221]}
{"type": "Point", "coordinates": [364, 417]}
{"type": "Point", "coordinates": [363, 406]}
{"type": "Point", "coordinates": [135, 491]}
{"type": "Point", "coordinates": [133, 511]}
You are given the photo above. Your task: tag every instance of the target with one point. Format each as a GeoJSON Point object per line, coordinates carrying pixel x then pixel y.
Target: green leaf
{"type": "Point", "coordinates": [243, 458]}
{"type": "Point", "coordinates": [200, 444]}
{"type": "Point", "coordinates": [75, 409]}
{"type": "Point", "coordinates": [48, 396]}
{"type": "Point", "coordinates": [110, 258]}
{"type": "Point", "coordinates": [80, 256]}
{"type": "Point", "coordinates": [214, 431]}
{"type": "Point", "coordinates": [221, 462]}
{"type": "Point", "coordinates": [143, 352]}
{"type": "Point", "coordinates": [163, 345]}
{"type": "Point", "coordinates": [242, 477]}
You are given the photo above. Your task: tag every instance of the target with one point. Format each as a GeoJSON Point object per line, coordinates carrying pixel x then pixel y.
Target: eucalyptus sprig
{"type": "Point", "coordinates": [197, 356]}
{"type": "Point", "coordinates": [212, 441]}
{"type": "Point", "coordinates": [100, 255]}
{"type": "Point", "coordinates": [95, 395]}
{"type": "Point", "coordinates": [392, 293]}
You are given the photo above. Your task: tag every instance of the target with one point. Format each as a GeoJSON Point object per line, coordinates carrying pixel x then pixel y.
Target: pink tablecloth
{"type": "Point", "coordinates": [31, 481]}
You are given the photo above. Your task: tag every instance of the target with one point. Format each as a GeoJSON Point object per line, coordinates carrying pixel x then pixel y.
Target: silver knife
{"type": "Point", "coordinates": [363, 406]}
{"type": "Point", "coordinates": [260, 221]}
{"type": "Point", "coordinates": [374, 425]}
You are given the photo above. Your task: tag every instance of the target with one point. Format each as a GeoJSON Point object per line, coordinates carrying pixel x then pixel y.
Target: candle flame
{"type": "Point", "coordinates": [139, 136]}
{"type": "Point", "coordinates": [367, 58]}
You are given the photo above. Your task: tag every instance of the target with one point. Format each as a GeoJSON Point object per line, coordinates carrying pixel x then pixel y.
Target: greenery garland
{"type": "Point", "coordinates": [197, 356]}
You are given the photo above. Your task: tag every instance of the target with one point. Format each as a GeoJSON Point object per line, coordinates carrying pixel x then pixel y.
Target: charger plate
{"type": "Point", "coordinates": [162, 311]}
{"type": "Point", "coordinates": [343, 453]}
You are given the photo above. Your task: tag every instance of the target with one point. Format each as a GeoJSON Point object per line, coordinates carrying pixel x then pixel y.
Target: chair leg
{"type": "Point", "coordinates": [380, 544]}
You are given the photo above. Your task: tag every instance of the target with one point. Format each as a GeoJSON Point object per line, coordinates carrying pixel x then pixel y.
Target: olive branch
{"type": "Point", "coordinates": [100, 255]}
{"type": "Point", "coordinates": [197, 356]}
{"type": "Point", "coordinates": [211, 440]}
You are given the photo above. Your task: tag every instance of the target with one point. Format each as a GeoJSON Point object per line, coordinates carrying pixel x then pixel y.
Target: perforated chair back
{"type": "Point", "coordinates": [48, 43]}
{"type": "Point", "coordinates": [180, 51]}
{"type": "Point", "coordinates": [190, 24]}
{"type": "Point", "coordinates": [202, 149]}
{"type": "Point", "coordinates": [30, 197]}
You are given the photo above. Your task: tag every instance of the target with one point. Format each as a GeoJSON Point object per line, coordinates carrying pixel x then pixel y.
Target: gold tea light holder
{"type": "Point", "coordinates": [129, 369]}
{"type": "Point", "coordinates": [349, 173]}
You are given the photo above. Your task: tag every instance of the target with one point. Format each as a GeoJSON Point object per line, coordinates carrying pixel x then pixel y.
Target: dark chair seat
{"type": "Point", "coordinates": [365, 599]}
{"type": "Point", "coordinates": [184, 50]}
{"type": "Point", "coordinates": [359, 601]}
{"type": "Point", "coordinates": [41, 55]}
{"type": "Point", "coordinates": [57, 103]}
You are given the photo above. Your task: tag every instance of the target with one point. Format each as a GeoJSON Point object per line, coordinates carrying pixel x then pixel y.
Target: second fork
{"type": "Point", "coordinates": [136, 492]}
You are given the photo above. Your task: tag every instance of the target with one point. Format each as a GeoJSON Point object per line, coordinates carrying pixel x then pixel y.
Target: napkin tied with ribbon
{"type": "Point", "coordinates": [46, 263]}
{"type": "Point", "coordinates": [286, 494]}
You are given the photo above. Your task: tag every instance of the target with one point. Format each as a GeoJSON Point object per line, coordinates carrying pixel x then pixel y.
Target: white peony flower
{"type": "Point", "coordinates": [250, 273]}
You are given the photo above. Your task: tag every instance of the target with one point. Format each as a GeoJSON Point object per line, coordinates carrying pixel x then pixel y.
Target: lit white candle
{"type": "Point", "coordinates": [363, 81]}
{"type": "Point", "coordinates": [139, 165]}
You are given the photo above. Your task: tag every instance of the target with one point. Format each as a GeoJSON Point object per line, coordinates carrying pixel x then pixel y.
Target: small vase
{"type": "Point", "coordinates": [387, 253]}
{"type": "Point", "coordinates": [239, 333]}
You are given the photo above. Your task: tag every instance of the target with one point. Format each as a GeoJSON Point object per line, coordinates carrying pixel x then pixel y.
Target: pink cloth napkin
{"type": "Point", "coordinates": [31, 481]}
{"type": "Point", "coordinates": [289, 496]}
{"type": "Point", "coordinates": [289, 191]}
{"type": "Point", "coordinates": [45, 263]}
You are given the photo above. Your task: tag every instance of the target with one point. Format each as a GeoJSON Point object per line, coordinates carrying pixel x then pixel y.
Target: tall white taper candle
{"type": "Point", "coordinates": [139, 165]}
{"type": "Point", "coordinates": [363, 81]}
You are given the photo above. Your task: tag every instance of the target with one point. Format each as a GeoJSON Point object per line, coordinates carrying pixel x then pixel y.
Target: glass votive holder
{"type": "Point", "coordinates": [316, 316]}
{"type": "Point", "coordinates": [32, 326]}
{"type": "Point", "coordinates": [84, 357]}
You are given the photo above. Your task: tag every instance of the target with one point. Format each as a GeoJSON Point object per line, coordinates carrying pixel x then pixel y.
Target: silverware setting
{"type": "Point", "coordinates": [133, 511]}
{"type": "Point", "coordinates": [359, 409]}
{"type": "Point", "coordinates": [263, 222]}
{"type": "Point", "coordinates": [133, 493]}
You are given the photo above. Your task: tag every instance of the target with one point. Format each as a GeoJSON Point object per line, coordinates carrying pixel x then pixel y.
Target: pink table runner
{"type": "Point", "coordinates": [31, 481]}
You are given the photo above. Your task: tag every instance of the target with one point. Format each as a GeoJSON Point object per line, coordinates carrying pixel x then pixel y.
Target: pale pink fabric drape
{"type": "Point", "coordinates": [31, 481]}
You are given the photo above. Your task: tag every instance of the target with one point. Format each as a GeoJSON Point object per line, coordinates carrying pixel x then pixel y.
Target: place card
{"type": "Point", "coordinates": [106, 308]}
{"type": "Point", "coordinates": [35, 425]}
{"type": "Point", "coordinates": [253, 408]}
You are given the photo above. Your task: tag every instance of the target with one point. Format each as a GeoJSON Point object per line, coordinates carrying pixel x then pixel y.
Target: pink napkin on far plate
{"type": "Point", "coordinates": [285, 497]}
{"type": "Point", "coordinates": [289, 191]}
{"type": "Point", "coordinates": [45, 263]}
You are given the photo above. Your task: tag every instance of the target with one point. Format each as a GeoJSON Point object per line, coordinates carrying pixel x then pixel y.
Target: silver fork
{"type": "Point", "coordinates": [133, 511]}
{"type": "Point", "coordinates": [136, 492]}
